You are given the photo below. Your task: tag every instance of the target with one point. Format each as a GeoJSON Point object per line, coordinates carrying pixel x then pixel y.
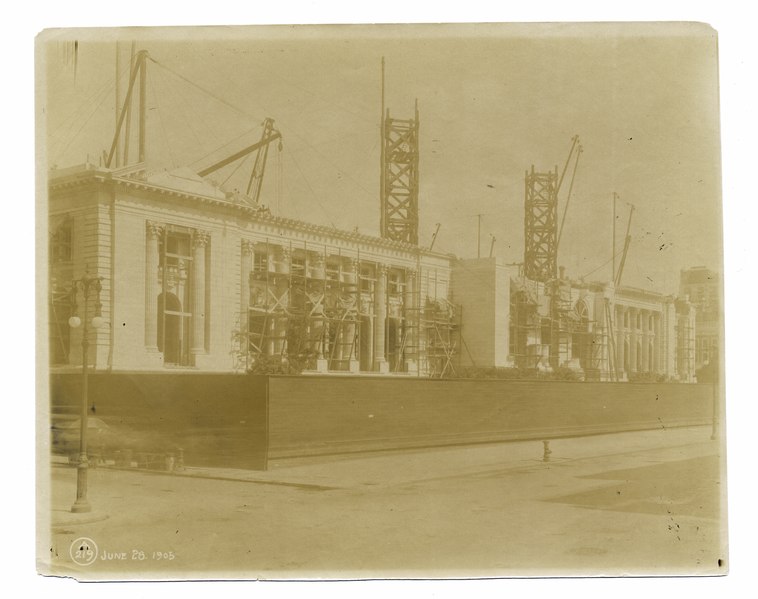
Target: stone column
{"type": "Point", "coordinates": [351, 280]}
{"type": "Point", "coordinates": [285, 261]}
{"type": "Point", "coordinates": [280, 323]}
{"type": "Point", "coordinates": [199, 243]}
{"type": "Point", "coordinates": [380, 318]}
{"type": "Point", "coordinates": [339, 327]}
{"type": "Point", "coordinates": [633, 340]}
{"type": "Point", "coordinates": [411, 321]}
{"type": "Point", "coordinates": [248, 252]}
{"type": "Point", "coordinates": [152, 289]}
{"type": "Point", "coordinates": [369, 332]}
{"type": "Point", "coordinates": [620, 338]}
{"type": "Point", "coordinates": [645, 340]}
{"type": "Point", "coordinates": [655, 337]}
{"type": "Point", "coordinates": [269, 331]}
{"type": "Point", "coordinates": [668, 343]}
{"type": "Point", "coordinates": [319, 267]}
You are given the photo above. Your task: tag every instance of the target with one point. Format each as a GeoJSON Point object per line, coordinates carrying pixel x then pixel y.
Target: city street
{"type": "Point", "coordinates": [632, 503]}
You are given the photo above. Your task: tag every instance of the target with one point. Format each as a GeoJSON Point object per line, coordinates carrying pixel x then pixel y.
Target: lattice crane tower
{"type": "Point", "coordinates": [540, 225]}
{"type": "Point", "coordinates": [399, 176]}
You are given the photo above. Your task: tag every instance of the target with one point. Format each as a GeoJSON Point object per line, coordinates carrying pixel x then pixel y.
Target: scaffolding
{"type": "Point", "coordinates": [597, 366]}
{"type": "Point", "coordinates": [685, 349]}
{"type": "Point", "coordinates": [412, 343]}
{"type": "Point", "coordinates": [561, 323]}
{"type": "Point", "coordinates": [525, 344]}
{"type": "Point", "coordinates": [543, 323]}
{"type": "Point", "coordinates": [614, 373]}
{"type": "Point", "coordinates": [422, 331]}
{"type": "Point", "coordinates": [549, 330]}
{"type": "Point", "coordinates": [60, 302]}
{"type": "Point", "coordinates": [304, 305]}
{"type": "Point", "coordinates": [440, 326]}
{"type": "Point", "coordinates": [320, 308]}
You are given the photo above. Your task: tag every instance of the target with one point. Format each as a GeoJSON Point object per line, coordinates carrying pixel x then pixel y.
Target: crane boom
{"type": "Point", "coordinates": [568, 196]}
{"type": "Point", "coordinates": [434, 237]}
{"type": "Point", "coordinates": [138, 66]}
{"type": "Point", "coordinates": [256, 176]}
{"type": "Point", "coordinates": [627, 242]}
{"type": "Point", "coordinates": [574, 141]}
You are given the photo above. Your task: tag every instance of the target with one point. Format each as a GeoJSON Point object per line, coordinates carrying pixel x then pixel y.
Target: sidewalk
{"type": "Point", "coordinates": [421, 465]}
{"type": "Point", "coordinates": [413, 465]}
{"type": "Point", "coordinates": [631, 503]}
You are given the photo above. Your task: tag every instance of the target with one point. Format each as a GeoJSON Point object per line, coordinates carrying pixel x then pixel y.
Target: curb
{"type": "Point", "coordinates": [89, 519]}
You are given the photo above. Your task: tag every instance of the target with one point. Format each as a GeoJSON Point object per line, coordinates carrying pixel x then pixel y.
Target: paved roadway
{"type": "Point", "coordinates": [632, 503]}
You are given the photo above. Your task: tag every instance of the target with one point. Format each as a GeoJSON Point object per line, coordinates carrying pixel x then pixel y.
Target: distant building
{"type": "Point", "coordinates": [599, 332]}
{"type": "Point", "coordinates": [703, 288]}
{"type": "Point", "coordinates": [199, 279]}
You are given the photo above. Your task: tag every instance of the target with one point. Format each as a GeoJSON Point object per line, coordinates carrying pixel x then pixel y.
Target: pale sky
{"type": "Point", "coordinates": [493, 101]}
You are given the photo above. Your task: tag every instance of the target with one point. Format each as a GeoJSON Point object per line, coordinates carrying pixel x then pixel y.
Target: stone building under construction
{"type": "Point", "coordinates": [197, 277]}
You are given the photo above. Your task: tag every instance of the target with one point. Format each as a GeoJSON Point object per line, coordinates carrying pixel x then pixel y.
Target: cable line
{"type": "Point", "coordinates": [84, 124]}
{"type": "Point", "coordinates": [154, 91]}
{"type": "Point", "coordinates": [103, 89]}
{"type": "Point", "coordinates": [236, 168]}
{"type": "Point", "coordinates": [202, 89]}
{"type": "Point", "coordinates": [315, 197]}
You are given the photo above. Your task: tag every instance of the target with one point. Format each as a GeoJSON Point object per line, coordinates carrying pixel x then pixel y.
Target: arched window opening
{"type": "Point", "coordinates": [173, 330]}
{"type": "Point", "coordinates": [174, 307]}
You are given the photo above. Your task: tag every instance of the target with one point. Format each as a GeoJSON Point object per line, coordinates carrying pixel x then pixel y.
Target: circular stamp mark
{"type": "Point", "coordinates": [83, 551]}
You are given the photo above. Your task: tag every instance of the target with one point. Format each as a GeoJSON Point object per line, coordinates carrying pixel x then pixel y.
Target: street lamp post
{"type": "Point", "coordinates": [90, 286]}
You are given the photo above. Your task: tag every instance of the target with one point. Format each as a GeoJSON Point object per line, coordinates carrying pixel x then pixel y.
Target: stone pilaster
{"type": "Point", "coordinates": [411, 320]}
{"type": "Point", "coordinates": [657, 343]}
{"type": "Point", "coordinates": [285, 260]}
{"type": "Point", "coordinates": [248, 252]}
{"type": "Point", "coordinates": [246, 270]}
{"type": "Point", "coordinates": [645, 334]}
{"type": "Point", "coordinates": [154, 232]}
{"type": "Point", "coordinates": [620, 345]}
{"type": "Point", "coordinates": [351, 279]}
{"type": "Point", "coordinates": [380, 319]}
{"type": "Point", "coordinates": [633, 337]}
{"type": "Point", "coordinates": [199, 244]}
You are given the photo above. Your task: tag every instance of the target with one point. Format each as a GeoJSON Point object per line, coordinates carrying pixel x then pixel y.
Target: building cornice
{"type": "Point", "coordinates": [639, 293]}
{"type": "Point", "coordinates": [90, 174]}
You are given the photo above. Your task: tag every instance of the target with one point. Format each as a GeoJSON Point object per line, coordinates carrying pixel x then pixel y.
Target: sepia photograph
{"type": "Point", "coordinates": [337, 302]}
